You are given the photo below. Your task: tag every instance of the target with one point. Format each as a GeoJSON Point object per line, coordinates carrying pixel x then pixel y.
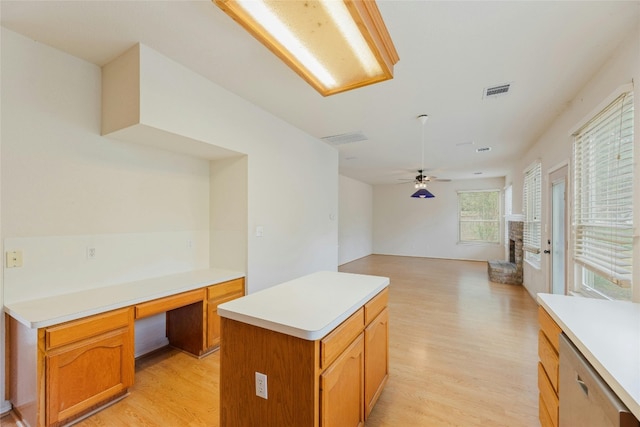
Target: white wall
{"type": "Point", "coordinates": [228, 211]}
{"type": "Point", "coordinates": [554, 146]}
{"type": "Point", "coordinates": [407, 226]}
{"type": "Point", "coordinates": [355, 227]}
{"type": "Point", "coordinates": [64, 186]}
{"type": "Point", "coordinates": [292, 177]}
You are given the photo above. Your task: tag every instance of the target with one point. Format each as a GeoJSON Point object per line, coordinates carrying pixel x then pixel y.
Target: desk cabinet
{"type": "Point", "coordinates": [88, 362]}
{"type": "Point", "coordinates": [217, 295]}
{"type": "Point", "coordinates": [61, 372]}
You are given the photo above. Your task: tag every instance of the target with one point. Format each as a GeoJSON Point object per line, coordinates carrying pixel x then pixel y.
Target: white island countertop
{"type": "Point", "coordinates": [43, 312]}
{"type": "Point", "coordinates": [608, 335]}
{"type": "Point", "coordinates": [308, 307]}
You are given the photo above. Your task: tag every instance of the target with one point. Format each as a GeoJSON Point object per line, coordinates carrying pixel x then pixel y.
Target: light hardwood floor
{"type": "Point", "coordinates": [463, 352]}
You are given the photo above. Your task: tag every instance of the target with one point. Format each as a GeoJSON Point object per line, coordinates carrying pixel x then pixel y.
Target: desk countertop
{"type": "Point", "coordinates": [308, 307]}
{"type": "Point", "coordinates": [39, 313]}
{"type": "Point", "coordinates": [608, 335]}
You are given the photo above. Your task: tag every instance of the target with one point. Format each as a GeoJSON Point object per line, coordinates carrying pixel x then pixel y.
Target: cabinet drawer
{"type": "Point", "coordinates": [77, 330]}
{"type": "Point", "coordinates": [168, 303]}
{"type": "Point", "coordinates": [549, 327]}
{"type": "Point", "coordinates": [543, 414]}
{"type": "Point", "coordinates": [548, 395]}
{"type": "Point", "coordinates": [375, 306]}
{"type": "Point", "coordinates": [338, 339]}
{"type": "Point", "coordinates": [226, 288]}
{"type": "Point", "coordinates": [549, 359]}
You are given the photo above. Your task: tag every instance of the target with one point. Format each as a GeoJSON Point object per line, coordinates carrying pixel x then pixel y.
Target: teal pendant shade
{"type": "Point", "coordinates": [422, 193]}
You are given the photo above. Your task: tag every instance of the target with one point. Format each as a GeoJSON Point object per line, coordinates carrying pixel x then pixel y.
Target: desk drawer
{"type": "Point", "coordinates": [226, 288]}
{"type": "Point", "coordinates": [168, 303]}
{"type": "Point", "coordinates": [78, 330]}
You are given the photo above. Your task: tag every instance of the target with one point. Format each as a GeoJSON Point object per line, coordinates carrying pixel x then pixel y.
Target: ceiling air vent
{"type": "Point", "coordinates": [345, 138]}
{"type": "Point", "coordinates": [496, 90]}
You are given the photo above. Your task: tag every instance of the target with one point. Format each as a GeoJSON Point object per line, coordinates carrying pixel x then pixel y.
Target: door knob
{"type": "Point", "coordinates": [547, 251]}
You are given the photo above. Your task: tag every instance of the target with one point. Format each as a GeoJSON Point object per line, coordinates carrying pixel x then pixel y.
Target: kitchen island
{"type": "Point", "coordinates": [321, 344]}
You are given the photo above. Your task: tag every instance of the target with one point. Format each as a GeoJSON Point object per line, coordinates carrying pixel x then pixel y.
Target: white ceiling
{"type": "Point", "coordinates": [449, 52]}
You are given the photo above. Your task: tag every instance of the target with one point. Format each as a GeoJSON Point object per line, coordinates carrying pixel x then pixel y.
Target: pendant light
{"type": "Point", "coordinates": [421, 183]}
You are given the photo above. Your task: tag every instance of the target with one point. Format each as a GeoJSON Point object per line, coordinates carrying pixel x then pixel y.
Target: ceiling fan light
{"type": "Point", "coordinates": [334, 45]}
{"type": "Point", "coordinates": [423, 193]}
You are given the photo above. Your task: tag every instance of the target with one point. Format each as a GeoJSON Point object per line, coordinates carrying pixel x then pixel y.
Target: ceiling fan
{"type": "Point", "coordinates": [420, 181]}
{"type": "Point", "coordinates": [423, 178]}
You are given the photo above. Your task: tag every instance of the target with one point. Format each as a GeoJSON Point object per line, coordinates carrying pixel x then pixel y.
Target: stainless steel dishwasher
{"type": "Point", "coordinates": [585, 399]}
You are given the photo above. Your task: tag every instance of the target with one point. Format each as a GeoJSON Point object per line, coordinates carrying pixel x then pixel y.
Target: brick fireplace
{"type": "Point", "coordinates": [510, 271]}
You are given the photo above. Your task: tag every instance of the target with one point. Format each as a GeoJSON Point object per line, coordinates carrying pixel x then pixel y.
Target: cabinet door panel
{"type": "Point", "coordinates": [376, 358]}
{"type": "Point", "coordinates": [83, 375]}
{"type": "Point", "coordinates": [342, 389]}
{"type": "Point", "coordinates": [213, 319]}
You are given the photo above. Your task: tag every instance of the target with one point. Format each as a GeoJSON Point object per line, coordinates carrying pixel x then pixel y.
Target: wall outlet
{"type": "Point", "coordinates": [14, 259]}
{"type": "Point", "coordinates": [261, 385]}
{"type": "Point", "coordinates": [91, 253]}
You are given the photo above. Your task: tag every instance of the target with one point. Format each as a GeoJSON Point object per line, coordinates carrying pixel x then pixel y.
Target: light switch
{"type": "Point", "coordinates": [259, 231]}
{"type": "Point", "coordinates": [14, 259]}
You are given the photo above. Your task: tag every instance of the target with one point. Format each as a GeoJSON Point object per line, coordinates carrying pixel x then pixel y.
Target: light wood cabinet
{"type": "Point", "coordinates": [376, 353]}
{"type": "Point", "coordinates": [342, 389]}
{"type": "Point", "coordinates": [217, 295]}
{"type": "Point", "coordinates": [61, 372]}
{"type": "Point", "coordinates": [330, 382]}
{"type": "Point", "coordinates": [85, 374]}
{"type": "Point", "coordinates": [548, 365]}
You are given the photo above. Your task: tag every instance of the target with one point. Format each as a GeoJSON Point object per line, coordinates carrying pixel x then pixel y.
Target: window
{"type": "Point", "coordinates": [479, 216]}
{"type": "Point", "coordinates": [603, 211]}
{"type": "Point", "coordinates": [531, 207]}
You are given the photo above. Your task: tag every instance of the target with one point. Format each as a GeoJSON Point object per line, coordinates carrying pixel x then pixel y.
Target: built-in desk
{"type": "Point", "coordinates": [70, 354]}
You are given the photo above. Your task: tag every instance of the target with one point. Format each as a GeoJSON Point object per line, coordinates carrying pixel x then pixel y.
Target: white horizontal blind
{"type": "Point", "coordinates": [532, 209]}
{"type": "Point", "coordinates": [603, 178]}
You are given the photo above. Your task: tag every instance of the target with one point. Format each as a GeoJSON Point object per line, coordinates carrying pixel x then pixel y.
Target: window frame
{"type": "Point", "coordinates": [498, 218]}
{"type": "Point", "coordinates": [588, 208]}
{"type": "Point", "coordinates": [532, 212]}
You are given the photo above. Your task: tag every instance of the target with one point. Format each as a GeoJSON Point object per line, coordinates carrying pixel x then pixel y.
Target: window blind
{"type": "Point", "coordinates": [531, 206]}
{"type": "Point", "coordinates": [603, 196]}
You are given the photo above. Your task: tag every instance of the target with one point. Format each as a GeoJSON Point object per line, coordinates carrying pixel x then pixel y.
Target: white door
{"type": "Point", "coordinates": [557, 242]}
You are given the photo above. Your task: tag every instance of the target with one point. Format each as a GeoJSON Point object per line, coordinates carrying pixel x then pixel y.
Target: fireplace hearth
{"type": "Point", "coordinates": [510, 271]}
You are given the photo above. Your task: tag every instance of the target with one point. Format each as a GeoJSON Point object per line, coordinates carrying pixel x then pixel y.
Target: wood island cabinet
{"type": "Point", "coordinates": [342, 388]}
{"type": "Point", "coordinates": [330, 382]}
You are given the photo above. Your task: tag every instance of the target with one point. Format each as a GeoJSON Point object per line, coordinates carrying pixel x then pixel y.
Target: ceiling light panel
{"type": "Point", "coordinates": [333, 45]}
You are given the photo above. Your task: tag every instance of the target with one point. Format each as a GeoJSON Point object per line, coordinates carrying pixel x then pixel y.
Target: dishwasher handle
{"type": "Point", "coordinates": [583, 386]}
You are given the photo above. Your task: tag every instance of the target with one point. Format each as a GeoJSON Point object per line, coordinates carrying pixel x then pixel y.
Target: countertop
{"type": "Point", "coordinates": [40, 313]}
{"type": "Point", "coordinates": [308, 307]}
{"type": "Point", "coordinates": [608, 335]}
